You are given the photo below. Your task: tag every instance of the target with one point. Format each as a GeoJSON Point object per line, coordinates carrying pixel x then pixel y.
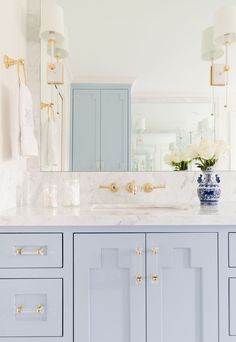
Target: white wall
{"type": "Point", "coordinates": [13, 43]}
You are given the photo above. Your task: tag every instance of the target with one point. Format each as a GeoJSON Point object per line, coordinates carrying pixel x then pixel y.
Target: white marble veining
{"type": "Point", "coordinates": [84, 216]}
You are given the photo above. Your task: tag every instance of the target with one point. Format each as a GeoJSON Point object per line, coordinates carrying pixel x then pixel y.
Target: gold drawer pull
{"type": "Point", "coordinates": [38, 310]}
{"type": "Point", "coordinates": [139, 279]}
{"type": "Point", "coordinates": [38, 251]}
{"type": "Point", "coordinates": [155, 278]}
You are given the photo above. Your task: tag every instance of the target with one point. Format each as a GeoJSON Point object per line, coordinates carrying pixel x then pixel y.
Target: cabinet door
{"type": "Point", "coordinates": [114, 130]}
{"type": "Point", "coordinates": [109, 301]}
{"type": "Point", "coordinates": [182, 287]}
{"type": "Point", "coordinates": [86, 130]}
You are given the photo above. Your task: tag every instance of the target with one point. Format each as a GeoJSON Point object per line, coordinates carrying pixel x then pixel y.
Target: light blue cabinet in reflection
{"type": "Point", "coordinates": [100, 127]}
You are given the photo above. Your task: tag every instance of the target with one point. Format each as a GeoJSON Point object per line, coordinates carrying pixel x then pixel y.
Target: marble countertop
{"type": "Point", "coordinates": [84, 216]}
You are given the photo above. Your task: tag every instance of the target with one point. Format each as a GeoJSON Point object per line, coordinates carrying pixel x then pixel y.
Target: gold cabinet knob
{"type": "Point", "coordinates": [139, 251]}
{"type": "Point", "coordinates": [113, 187]}
{"type": "Point", "coordinates": [155, 278]}
{"type": "Point", "coordinates": [149, 187]}
{"type": "Point", "coordinates": [132, 188]}
{"type": "Point", "coordinates": [154, 250]}
{"type": "Point", "coordinates": [139, 279]}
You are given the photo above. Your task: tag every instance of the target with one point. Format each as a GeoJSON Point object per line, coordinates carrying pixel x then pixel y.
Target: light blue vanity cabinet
{"type": "Point", "coordinates": [100, 128]}
{"type": "Point", "coordinates": [118, 283]}
{"type": "Point", "coordinates": [167, 285]}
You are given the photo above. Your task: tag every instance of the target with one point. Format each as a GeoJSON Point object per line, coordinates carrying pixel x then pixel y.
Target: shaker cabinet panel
{"type": "Point", "coordinates": [86, 130]}
{"type": "Point", "coordinates": [31, 308]}
{"type": "Point", "coordinates": [100, 128]}
{"type": "Point", "coordinates": [114, 130]}
{"type": "Point", "coordinates": [182, 290]}
{"type": "Point", "coordinates": [109, 288]}
{"type": "Point", "coordinates": [232, 249]}
{"type": "Point", "coordinates": [30, 250]}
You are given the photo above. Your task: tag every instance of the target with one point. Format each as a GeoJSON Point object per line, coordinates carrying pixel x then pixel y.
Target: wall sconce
{"type": "Point", "coordinates": [61, 50]}
{"type": "Point", "coordinates": [53, 31]}
{"type": "Point", "coordinates": [225, 34]}
{"type": "Point", "coordinates": [211, 51]}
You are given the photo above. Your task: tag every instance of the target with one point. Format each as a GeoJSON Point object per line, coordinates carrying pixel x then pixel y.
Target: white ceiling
{"type": "Point", "coordinates": [157, 42]}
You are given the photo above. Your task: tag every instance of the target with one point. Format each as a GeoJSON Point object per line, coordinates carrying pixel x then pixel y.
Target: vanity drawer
{"type": "Point", "coordinates": [30, 250]}
{"type": "Point", "coordinates": [31, 307]}
{"type": "Point", "coordinates": [232, 249]}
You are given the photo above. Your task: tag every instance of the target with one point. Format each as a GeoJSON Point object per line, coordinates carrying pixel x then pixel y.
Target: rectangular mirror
{"type": "Point", "coordinates": [124, 86]}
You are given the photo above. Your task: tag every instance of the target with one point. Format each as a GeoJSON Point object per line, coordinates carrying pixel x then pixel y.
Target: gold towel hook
{"type": "Point", "coordinates": [50, 108]}
{"type": "Point", "coordinates": [9, 62]}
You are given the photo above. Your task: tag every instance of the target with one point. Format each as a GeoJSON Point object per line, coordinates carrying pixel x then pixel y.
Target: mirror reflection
{"type": "Point", "coordinates": [136, 86]}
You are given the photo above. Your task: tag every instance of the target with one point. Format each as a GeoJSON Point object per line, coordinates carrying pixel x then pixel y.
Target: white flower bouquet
{"type": "Point", "coordinates": [206, 154]}
{"type": "Point", "coordinates": [177, 159]}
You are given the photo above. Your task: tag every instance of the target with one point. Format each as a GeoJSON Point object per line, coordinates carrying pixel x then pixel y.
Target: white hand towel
{"type": "Point", "coordinates": [28, 142]}
{"type": "Point", "coordinates": [50, 152]}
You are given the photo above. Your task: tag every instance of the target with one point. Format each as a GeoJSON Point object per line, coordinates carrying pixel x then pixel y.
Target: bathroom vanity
{"type": "Point", "coordinates": [164, 275]}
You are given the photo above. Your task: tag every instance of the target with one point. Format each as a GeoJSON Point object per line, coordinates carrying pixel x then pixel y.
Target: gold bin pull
{"type": "Point", "coordinates": [39, 309]}
{"type": "Point", "coordinates": [113, 187]}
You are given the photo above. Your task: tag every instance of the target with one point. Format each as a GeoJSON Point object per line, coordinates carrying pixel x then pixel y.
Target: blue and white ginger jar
{"type": "Point", "coordinates": [208, 188]}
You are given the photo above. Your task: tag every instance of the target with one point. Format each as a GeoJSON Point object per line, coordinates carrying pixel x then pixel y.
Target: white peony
{"type": "Point", "coordinates": [207, 150]}
{"type": "Point", "coordinates": [176, 157]}
{"type": "Point", "coordinates": [192, 151]}
{"type": "Point", "coordinates": [220, 147]}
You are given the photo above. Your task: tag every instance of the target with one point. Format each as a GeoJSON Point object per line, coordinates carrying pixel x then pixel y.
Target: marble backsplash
{"type": "Point", "coordinates": [180, 187]}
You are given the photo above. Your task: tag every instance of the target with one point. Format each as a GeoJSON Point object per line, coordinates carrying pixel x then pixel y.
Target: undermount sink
{"type": "Point", "coordinates": [137, 207]}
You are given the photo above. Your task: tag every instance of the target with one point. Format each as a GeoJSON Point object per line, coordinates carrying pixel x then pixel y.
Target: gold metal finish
{"type": "Point", "coordinates": [46, 105]}
{"type": "Point", "coordinates": [155, 278]}
{"type": "Point", "coordinates": [154, 251]}
{"type": "Point", "coordinates": [139, 251]}
{"type": "Point", "coordinates": [9, 62]}
{"type": "Point", "coordinates": [132, 188]}
{"type": "Point", "coordinates": [19, 309]}
{"type": "Point", "coordinates": [19, 251]}
{"type": "Point", "coordinates": [52, 66]}
{"type": "Point", "coordinates": [39, 309]}
{"type": "Point", "coordinates": [113, 187]}
{"type": "Point", "coordinates": [148, 187]}
{"type": "Point", "coordinates": [39, 251]}
{"type": "Point", "coordinates": [139, 279]}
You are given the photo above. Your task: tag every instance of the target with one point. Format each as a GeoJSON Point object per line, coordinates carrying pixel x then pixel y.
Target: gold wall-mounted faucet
{"type": "Point", "coordinates": [148, 187]}
{"type": "Point", "coordinates": [132, 188]}
{"type": "Point", "coordinates": [113, 187]}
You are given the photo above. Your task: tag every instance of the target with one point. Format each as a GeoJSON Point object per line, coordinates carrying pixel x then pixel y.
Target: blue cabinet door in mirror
{"type": "Point", "coordinates": [86, 130]}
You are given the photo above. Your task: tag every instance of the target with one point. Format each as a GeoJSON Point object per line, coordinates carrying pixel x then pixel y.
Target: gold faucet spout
{"type": "Point", "coordinates": [132, 188]}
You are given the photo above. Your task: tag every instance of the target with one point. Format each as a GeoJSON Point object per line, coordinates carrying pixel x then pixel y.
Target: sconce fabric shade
{"type": "Point", "coordinates": [61, 50]}
{"type": "Point", "coordinates": [52, 21]}
{"type": "Point", "coordinates": [210, 50]}
{"type": "Point", "coordinates": [225, 25]}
